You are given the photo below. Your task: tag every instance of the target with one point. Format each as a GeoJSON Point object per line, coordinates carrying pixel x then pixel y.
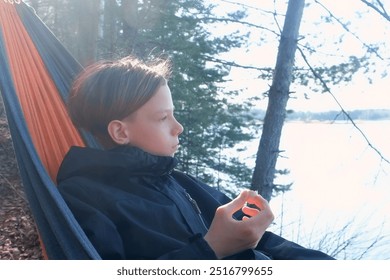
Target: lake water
{"type": "Point", "coordinates": [340, 198]}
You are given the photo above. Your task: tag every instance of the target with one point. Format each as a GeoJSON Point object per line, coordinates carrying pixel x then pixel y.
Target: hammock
{"type": "Point", "coordinates": [36, 72]}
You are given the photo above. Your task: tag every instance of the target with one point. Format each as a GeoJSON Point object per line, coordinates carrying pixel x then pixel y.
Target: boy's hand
{"type": "Point", "coordinates": [228, 236]}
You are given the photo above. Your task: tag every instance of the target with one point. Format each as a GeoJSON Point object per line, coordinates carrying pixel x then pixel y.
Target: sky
{"type": "Point", "coordinates": [366, 28]}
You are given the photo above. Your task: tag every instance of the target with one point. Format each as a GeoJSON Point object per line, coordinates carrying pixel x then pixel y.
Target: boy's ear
{"type": "Point", "coordinates": [119, 133]}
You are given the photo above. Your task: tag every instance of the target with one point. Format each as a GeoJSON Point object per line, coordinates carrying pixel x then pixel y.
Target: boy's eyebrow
{"type": "Point", "coordinates": [167, 110]}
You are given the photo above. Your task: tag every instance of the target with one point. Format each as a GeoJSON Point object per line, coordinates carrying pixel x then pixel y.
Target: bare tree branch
{"type": "Point", "coordinates": [276, 20]}
{"type": "Point", "coordinates": [375, 242]}
{"type": "Point", "coordinates": [345, 27]}
{"type": "Point", "coordinates": [246, 6]}
{"type": "Point", "coordinates": [347, 241]}
{"type": "Point", "coordinates": [380, 10]}
{"type": "Point", "coordinates": [13, 187]}
{"type": "Point", "coordinates": [327, 89]}
{"type": "Point", "coordinates": [234, 64]}
{"type": "Point", "coordinates": [216, 19]}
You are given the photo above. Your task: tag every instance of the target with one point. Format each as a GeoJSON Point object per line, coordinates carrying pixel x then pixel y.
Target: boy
{"type": "Point", "coordinates": [129, 199]}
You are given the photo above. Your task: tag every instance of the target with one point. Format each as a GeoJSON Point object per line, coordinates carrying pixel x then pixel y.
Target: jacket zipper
{"type": "Point", "coordinates": [196, 208]}
{"type": "Point", "coordinates": [193, 203]}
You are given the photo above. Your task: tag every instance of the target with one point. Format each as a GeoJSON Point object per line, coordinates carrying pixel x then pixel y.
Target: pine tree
{"type": "Point", "coordinates": [212, 124]}
{"type": "Point", "coordinates": [179, 31]}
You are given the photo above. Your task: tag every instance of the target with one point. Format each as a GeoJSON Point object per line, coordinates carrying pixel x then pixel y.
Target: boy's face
{"type": "Point", "coordinates": [153, 127]}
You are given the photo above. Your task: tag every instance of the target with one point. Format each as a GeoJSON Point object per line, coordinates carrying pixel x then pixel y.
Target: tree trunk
{"type": "Point", "coordinates": [109, 28]}
{"type": "Point", "coordinates": [268, 151]}
{"type": "Point", "coordinates": [130, 23]}
{"type": "Point", "coordinates": [87, 35]}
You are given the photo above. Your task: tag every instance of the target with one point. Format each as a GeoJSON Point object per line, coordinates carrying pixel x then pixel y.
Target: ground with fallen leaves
{"type": "Point", "coordinates": [18, 234]}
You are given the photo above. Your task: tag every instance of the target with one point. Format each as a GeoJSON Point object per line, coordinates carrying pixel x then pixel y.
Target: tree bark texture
{"type": "Point", "coordinates": [130, 22]}
{"type": "Point", "coordinates": [109, 28]}
{"type": "Point", "coordinates": [88, 22]}
{"type": "Point", "coordinates": [268, 150]}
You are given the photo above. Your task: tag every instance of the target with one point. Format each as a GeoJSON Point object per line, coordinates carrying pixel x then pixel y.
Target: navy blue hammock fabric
{"type": "Point", "coordinates": [36, 72]}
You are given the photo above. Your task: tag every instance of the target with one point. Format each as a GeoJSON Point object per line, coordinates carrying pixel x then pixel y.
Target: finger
{"type": "Point", "coordinates": [264, 218]}
{"type": "Point", "coordinates": [250, 211]}
{"type": "Point", "coordinates": [237, 203]}
{"type": "Point", "coordinates": [258, 200]}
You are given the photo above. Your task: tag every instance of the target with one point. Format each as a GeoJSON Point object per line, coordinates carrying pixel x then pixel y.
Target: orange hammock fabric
{"type": "Point", "coordinates": [47, 120]}
{"type": "Point", "coordinates": [36, 72]}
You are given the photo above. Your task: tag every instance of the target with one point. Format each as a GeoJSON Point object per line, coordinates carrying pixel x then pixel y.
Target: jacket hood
{"type": "Point", "coordinates": [90, 162]}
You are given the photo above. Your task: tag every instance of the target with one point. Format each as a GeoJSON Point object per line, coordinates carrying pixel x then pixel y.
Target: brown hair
{"type": "Point", "coordinates": [112, 90]}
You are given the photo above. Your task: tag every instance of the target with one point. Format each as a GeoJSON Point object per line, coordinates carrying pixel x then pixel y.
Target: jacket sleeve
{"type": "Point", "coordinates": [196, 249]}
{"type": "Point", "coordinates": [97, 227]}
{"type": "Point", "coordinates": [270, 244]}
{"type": "Point", "coordinates": [278, 248]}
{"type": "Point", "coordinates": [104, 235]}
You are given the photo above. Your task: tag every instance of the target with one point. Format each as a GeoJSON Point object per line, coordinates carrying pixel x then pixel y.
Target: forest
{"type": "Point", "coordinates": [200, 38]}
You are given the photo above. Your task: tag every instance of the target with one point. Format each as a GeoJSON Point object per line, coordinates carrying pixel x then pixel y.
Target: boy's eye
{"type": "Point", "coordinates": [164, 118]}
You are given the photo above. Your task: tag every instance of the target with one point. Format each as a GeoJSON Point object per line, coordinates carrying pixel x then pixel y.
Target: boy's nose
{"type": "Point", "coordinates": [181, 129]}
{"type": "Point", "coordinates": [178, 128]}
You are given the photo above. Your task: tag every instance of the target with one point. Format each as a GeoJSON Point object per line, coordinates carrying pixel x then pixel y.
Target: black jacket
{"type": "Point", "coordinates": [133, 205]}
